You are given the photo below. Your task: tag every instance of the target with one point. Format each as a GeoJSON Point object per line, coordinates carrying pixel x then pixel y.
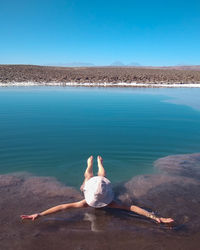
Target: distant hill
{"type": "Point", "coordinates": [134, 64]}
{"type": "Point", "coordinates": [121, 64]}
{"type": "Point", "coordinates": [118, 64]}
{"type": "Point", "coordinates": [72, 64]}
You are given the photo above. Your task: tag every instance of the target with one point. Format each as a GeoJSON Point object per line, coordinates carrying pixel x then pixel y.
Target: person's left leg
{"type": "Point", "coordinates": [101, 170]}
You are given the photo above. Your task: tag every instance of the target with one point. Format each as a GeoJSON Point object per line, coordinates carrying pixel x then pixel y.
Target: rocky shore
{"type": "Point", "coordinates": [112, 76]}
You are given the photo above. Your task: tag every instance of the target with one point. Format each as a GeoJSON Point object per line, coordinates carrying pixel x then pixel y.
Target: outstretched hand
{"type": "Point", "coordinates": [30, 217]}
{"type": "Point", "coordinates": [164, 220]}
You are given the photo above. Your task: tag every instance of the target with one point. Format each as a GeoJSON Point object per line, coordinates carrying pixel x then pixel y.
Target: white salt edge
{"type": "Point", "coordinates": [122, 84]}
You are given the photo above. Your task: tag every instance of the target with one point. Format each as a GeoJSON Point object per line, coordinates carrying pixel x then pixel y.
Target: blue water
{"type": "Point", "coordinates": [51, 131]}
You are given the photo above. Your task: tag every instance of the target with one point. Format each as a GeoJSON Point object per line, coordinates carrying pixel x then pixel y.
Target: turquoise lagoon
{"type": "Point", "coordinates": [51, 131]}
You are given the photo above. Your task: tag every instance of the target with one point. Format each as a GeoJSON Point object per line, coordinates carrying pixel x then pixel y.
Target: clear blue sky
{"type": "Point", "coordinates": [100, 32]}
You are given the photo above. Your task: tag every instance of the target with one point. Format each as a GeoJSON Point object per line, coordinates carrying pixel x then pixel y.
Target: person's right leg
{"type": "Point", "coordinates": [101, 171]}
{"type": "Point", "coordinates": [88, 172]}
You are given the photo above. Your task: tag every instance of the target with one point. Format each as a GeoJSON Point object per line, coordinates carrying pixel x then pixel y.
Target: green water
{"type": "Point", "coordinates": [51, 131]}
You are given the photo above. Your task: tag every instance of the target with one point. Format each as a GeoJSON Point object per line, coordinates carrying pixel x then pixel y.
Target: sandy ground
{"type": "Point", "coordinates": [26, 75]}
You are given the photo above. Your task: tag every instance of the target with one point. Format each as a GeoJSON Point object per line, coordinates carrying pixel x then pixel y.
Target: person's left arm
{"type": "Point", "coordinates": [141, 211]}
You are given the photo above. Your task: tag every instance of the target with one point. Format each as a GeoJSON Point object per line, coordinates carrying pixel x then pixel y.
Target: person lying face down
{"type": "Point", "coordinates": [98, 193]}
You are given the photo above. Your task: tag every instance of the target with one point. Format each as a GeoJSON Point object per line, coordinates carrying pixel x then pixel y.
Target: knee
{"type": "Point", "coordinates": [88, 176]}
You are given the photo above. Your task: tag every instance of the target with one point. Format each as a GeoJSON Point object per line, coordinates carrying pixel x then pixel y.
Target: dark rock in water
{"type": "Point", "coordinates": [184, 165]}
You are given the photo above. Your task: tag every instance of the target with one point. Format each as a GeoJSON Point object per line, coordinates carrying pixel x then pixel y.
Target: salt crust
{"type": "Point", "coordinates": [133, 84]}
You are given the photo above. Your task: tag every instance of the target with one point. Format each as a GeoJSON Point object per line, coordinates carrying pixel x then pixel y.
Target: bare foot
{"type": "Point", "coordinates": [90, 161]}
{"type": "Point", "coordinates": [99, 159]}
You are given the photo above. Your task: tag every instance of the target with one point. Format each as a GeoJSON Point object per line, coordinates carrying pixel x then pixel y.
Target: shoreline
{"type": "Point", "coordinates": [103, 84]}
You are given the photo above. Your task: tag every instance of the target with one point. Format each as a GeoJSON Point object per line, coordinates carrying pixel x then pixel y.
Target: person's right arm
{"type": "Point", "coordinates": [55, 209]}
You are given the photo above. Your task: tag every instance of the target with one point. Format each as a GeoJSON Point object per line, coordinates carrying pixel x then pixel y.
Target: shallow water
{"type": "Point", "coordinates": [166, 194]}
{"type": "Point", "coordinates": [147, 138]}
{"type": "Point", "coordinates": [52, 131]}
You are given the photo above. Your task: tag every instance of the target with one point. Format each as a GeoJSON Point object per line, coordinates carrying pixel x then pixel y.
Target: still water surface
{"type": "Point", "coordinates": [51, 131]}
